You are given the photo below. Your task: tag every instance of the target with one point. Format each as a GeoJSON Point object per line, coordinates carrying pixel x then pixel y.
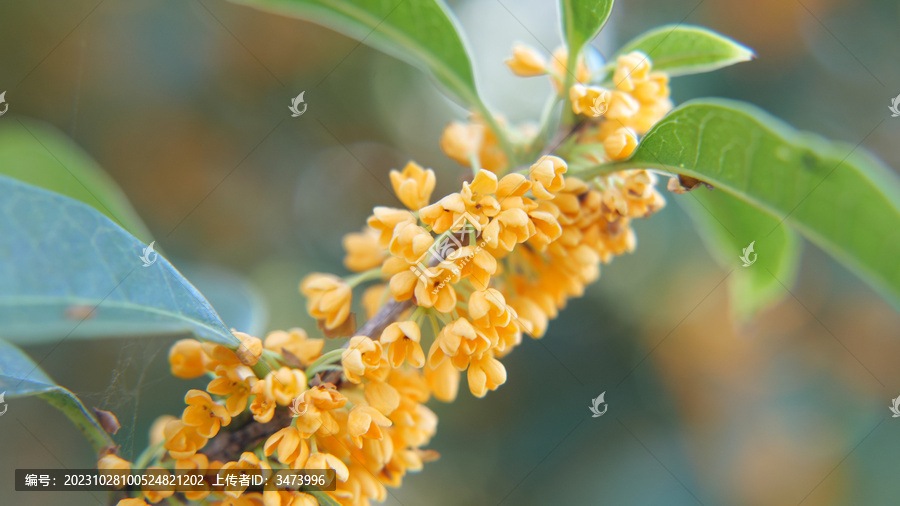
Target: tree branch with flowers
{"type": "Point", "coordinates": [450, 284]}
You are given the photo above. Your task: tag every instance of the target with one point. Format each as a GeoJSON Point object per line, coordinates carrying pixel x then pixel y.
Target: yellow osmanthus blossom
{"type": "Point", "coordinates": [204, 415]}
{"type": "Point", "coordinates": [293, 449]}
{"type": "Point", "coordinates": [414, 185]}
{"type": "Point", "coordinates": [590, 101]}
{"type": "Point", "coordinates": [296, 342]}
{"type": "Point", "coordinates": [402, 342]}
{"type": "Point", "coordinates": [526, 61]}
{"type": "Point", "coordinates": [363, 250]}
{"type": "Point", "coordinates": [187, 359]}
{"type": "Point", "coordinates": [328, 298]}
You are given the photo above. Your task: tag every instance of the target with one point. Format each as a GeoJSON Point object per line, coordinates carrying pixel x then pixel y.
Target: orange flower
{"type": "Point", "coordinates": [385, 219]}
{"type": "Point", "coordinates": [363, 250]}
{"type": "Point", "coordinates": [590, 101]}
{"type": "Point", "coordinates": [328, 298]}
{"type": "Point", "coordinates": [132, 501]}
{"type": "Point", "coordinates": [509, 228]}
{"type": "Point", "coordinates": [526, 61]}
{"type": "Point", "coordinates": [485, 373]}
{"type": "Point", "coordinates": [443, 381]}
{"type": "Point", "coordinates": [249, 350]}
{"type": "Point", "coordinates": [284, 384]}
{"type": "Point", "coordinates": [247, 464]}
{"type": "Point", "coordinates": [296, 342]}
{"type": "Point", "coordinates": [620, 144]}
{"type": "Point", "coordinates": [288, 498]}
{"type": "Point", "coordinates": [263, 405]}
{"type": "Point", "coordinates": [413, 186]}
{"type": "Point", "coordinates": [402, 342]}
{"type": "Point", "coordinates": [315, 406]}
{"type": "Point", "coordinates": [187, 359]}
{"type": "Point", "coordinates": [233, 383]}
{"type": "Point", "coordinates": [203, 414]}
{"type": "Point", "coordinates": [547, 176]}
{"type": "Point", "coordinates": [362, 358]}
{"type": "Point", "coordinates": [112, 462]}
{"type": "Point", "coordinates": [459, 342]}
{"type": "Point", "coordinates": [631, 68]}
{"type": "Point", "coordinates": [558, 68]}
{"type": "Point", "coordinates": [328, 461]}
{"type": "Point", "coordinates": [154, 496]}
{"type": "Point", "coordinates": [182, 441]}
{"type": "Point", "coordinates": [410, 242]}
{"type": "Point", "coordinates": [365, 422]}
{"type": "Point", "coordinates": [293, 450]}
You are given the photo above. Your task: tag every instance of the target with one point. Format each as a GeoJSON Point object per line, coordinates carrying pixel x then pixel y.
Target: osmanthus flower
{"type": "Point", "coordinates": [250, 349]}
{"type": "Point", "coordinates": [292, 447]}
{"type": "Point", "coordinates": [485, 373]}
{"type": "Point", "coordinates": [363, 250]}
{"type": "Point", "coordinates": [248, 464]}
{"type": "Point", "coordinates": [321, 460]}
{"type": "Point", "coordinates": [402, 342]}
{"type": "Point", "coordinates": [315, 407]}
{"type": "Point", "coordinates": [182, 441]}
{"type": "Point", "coordinates": [363, 357]}
{"type": "Point", "coordinates": [457, 342]}
{"type": "Point", "coordinates": [187, 359]}
{"type": "Point", "coordinates": [233, 383]}
{"type": "Point", "coordinates": [328, 299]}
{"type": "Point", "coordinates": [526, 61]}
{"type": "Point", "coordinates": [413, 185]}
{"type": "Point", "coordinates": [112, 462]}
{"type": "Point", "coordinates": [385, 219]}
{"type": "Point", "coordinates": [547, 176]}
{"type": "Point", "coordinates": [204, 415]}
{"type": "Point", "coordinates": [154, 496]}
{"type": "Point", "coordinates": [296, 342]}
{"type": "Point", "coordinates": [366, 422]}
{"type": "Point", "coordinates": [590, 101]}
{"type": "Point", "coordinates": [197, 462]}
{"type": "Point", "coordinates": [465, 142]}
{"type": "Point", "coordinates": [263, 405]}
{"type": "Point", "coordinates": [132, 501]}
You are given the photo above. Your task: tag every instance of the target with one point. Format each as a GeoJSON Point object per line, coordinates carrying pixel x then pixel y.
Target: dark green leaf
{"type": "Point", "coordinates": [69, 271]}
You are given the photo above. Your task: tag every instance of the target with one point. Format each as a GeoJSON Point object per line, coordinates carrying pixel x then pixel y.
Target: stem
{"type": "Point", "coordinates": [362, 277]}
{"type": "Point", "coordinates": [324, 360]}
{"type": "Point", "coordinates": [491, 122]}
{"type": "Point", "coordinates": [147, 455]}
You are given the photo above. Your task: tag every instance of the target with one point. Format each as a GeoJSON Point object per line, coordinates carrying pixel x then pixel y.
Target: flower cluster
{"type": "Point", "coordinates": [454, 283]}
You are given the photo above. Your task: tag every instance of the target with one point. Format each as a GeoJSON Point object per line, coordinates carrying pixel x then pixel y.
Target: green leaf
{"type": "Point", "coordinates": [21, 377]}
{"type": "Point", "coordinates": [38, 154]}
{"type": "Point", "coordinates": [323, 498]}
{"type": "Point", "coordinates": [69, 271]}
{"type": "Point", "coordinates": [834, 194]}
{"type": "Point", "coordinates": [686, 49]}
{"type": "Point", "coordinates": [582, 20]}
{"type": "Point", "coordinates": [420, 32]}
{"type": "Point", "coordinates": [727, 225]}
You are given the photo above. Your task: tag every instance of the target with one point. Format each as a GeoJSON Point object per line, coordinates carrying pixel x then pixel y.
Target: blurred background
{"type": "Point", "coordinates": [184, 104]}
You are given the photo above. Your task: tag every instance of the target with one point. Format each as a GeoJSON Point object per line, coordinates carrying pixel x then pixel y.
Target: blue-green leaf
{"type": "Point", "coordinates": [38, 154]}
{"type": "Point", "coordinates": [66, 271]}
{"type": "Point", "coordinates": [21, 377]}
{"type": "Point", "coordinates": [686, 49]}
